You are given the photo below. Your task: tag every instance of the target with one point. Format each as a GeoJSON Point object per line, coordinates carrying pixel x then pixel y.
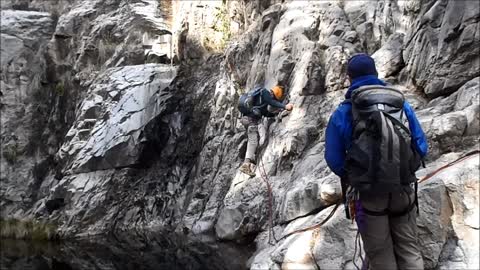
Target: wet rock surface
{"type": "Point", "coordinates": [141, 252]}
{"type": "Point", "coordinates": [123, 144]}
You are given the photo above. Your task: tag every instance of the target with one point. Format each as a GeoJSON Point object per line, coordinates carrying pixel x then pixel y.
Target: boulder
{"type": "Point", "coordinates": [118, 107]}
{"type": "Point", "coordinates": [450, 236]}
{"type": "Point", "coordinates": [388, 58]}
{"type": "Point", "coordinates": [468, 94]}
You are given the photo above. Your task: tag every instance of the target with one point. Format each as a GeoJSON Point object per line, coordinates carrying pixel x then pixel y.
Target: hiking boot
{"type": "Point", "coordinates": [248, 168]}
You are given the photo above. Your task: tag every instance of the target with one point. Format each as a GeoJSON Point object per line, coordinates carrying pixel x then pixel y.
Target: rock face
{"type": "Point", "coordinates": [131, 145]}
{"type": "Point", "coordinates": [112, 118]}
{"type": "Point", "coordinates": [451, 196]}
{"type": "Point", "coordinates": [26, 101]}
{"type": "Point", "coordinates": [439, 49]}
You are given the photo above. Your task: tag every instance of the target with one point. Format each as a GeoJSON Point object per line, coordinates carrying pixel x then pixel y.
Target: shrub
{"type": "Point", "coordinates": [27, 230]}
{"type": "Point", "coordinates": [60, 89]}
{"type": "Point", "coordinates": [222, 26]}
{"type": "Point", "coordinates": [10, 153]}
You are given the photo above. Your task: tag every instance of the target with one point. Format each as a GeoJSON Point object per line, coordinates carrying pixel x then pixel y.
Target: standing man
{"type": "Point", "coordinates": [375, 143]}
{"type": "Point", "coordinates": [253, 105]}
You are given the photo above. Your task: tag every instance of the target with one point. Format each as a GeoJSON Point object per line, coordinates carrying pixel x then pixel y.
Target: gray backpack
{"type": "Point", "coordinates": [250, 102]}
{"type": "Point", "coordinates": [381, 158]}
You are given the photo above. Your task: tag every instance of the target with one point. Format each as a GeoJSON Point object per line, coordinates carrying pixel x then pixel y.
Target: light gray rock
{"type": "Point", "coordinates": [54, 7]}
{"type": "Point", "coordinates": [450, 196]}
{"type": "Point", "coordinates": [439, 52]}
{"type": "Point", "coordinates": [448, 125]}
{"type": "Point", "coordinates": [451, 121]}
{"type": "Point", "coordinates": [388, 58]}
{"type": "Point", "coordinates": [23, 106]}
{"type": "Point", "coordinates": [473, 124]}
{"type": "Point", "coordinates": [229, 224]}
{"type": "Point", "coordinates": [329, 246]}
{"type": "Point", "coordinates": [468, 94]}
{"type": "Point", "coordinates": [309, 195]}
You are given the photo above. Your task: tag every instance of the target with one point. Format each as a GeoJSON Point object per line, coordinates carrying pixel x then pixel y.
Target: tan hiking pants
{"type": "Point", "coordinates": [389, 242]}
{"type": "Point", "coordinates": [251, 125]}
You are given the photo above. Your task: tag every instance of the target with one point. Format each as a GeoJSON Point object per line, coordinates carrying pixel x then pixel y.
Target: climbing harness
{"type": "Point", "coordinates": [351, 196]}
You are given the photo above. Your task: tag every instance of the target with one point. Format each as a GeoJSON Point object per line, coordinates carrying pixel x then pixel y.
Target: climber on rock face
{"type": "Point", "coordinates": [255, 104]}
{"type": "Point", "coordinates": [375, 143]}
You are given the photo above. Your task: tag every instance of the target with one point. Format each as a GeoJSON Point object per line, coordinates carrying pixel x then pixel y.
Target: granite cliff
{"type": "Point", "coordinates": [120, 116]}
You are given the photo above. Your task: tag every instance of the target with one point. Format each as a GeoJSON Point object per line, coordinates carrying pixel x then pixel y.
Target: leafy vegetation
{"type": "Point", "coordinates": [223, 25]}
{"type": "Point", "coordinates": [60, 89]}
{"type": "Point", "coordinates": [218, 40]}
{"type": "Point", "coordinates": [10, 153]}
{"type": "Point", "coordinates": [27, 230]}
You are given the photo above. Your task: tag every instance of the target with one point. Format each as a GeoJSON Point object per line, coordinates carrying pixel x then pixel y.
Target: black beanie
{"type": "Point", "coordinates": [361, 65]}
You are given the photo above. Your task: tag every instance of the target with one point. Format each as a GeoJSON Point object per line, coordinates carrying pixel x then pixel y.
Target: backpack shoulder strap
{"type": "Point", "coordinates": [396, 122]}
{"type": "Point", "coordinates": [255, 90]}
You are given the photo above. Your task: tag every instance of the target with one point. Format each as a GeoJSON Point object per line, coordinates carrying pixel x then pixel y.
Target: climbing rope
{"type": "Point", "coordinates": [314, 226]}
{"type": "Point", "coordinates": [359, 247]}
{"type": "Point", "coordinates": [264, 177]}
{"type": "Point", "coordinates": [467, 156]}
{"type": "Point", "coordinates": [428, 176]}
{"type": "Point", "coordinates": [271, 232]}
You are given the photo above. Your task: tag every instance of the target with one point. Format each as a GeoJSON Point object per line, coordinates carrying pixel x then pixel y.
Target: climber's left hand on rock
{"type": "Point", "coordinates": [284, 113]}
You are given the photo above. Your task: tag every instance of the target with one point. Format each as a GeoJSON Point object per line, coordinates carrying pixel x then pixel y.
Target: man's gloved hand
{"type": "Point", "coordinates": [289, 107]}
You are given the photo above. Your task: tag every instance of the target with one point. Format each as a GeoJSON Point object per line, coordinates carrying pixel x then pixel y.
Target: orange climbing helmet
{"type": "Point", "coordinates": [278, 92]}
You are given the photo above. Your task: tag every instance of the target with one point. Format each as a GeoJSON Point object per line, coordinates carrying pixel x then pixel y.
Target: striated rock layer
{"type": "Point", "coordinates": [101, 134]}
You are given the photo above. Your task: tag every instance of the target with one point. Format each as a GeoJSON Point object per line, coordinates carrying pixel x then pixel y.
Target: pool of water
{"type": "Point", "coordinates": [158, 252]}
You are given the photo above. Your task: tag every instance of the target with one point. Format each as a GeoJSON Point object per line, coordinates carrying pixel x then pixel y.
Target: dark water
{"type": "Point", "coordinates": [159, 252]}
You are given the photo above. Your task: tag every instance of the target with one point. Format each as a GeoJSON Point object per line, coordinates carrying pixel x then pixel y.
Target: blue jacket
{"type": "Point", "coordinates": [339, 128]}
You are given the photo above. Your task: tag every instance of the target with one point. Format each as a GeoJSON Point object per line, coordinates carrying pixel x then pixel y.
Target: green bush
{"type": "Point", "coordinates": [223, 25]}
{"type": "Point", "coordinates": [10, 153]}
{"type": "Point", "coordinates": [60, 89]}
{"type": "Point", "coordinates": [27, 230]}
